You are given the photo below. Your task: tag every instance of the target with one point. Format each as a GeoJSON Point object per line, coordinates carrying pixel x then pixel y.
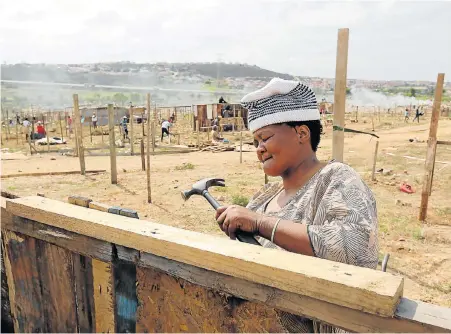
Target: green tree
{"type": "Point", "coordinates": [413, 92]}
{"type": "Point", "coordinates": [120, 98]}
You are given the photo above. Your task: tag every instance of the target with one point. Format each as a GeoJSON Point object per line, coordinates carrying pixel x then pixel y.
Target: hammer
{"type": "Point", "coordinates": [201, 188]}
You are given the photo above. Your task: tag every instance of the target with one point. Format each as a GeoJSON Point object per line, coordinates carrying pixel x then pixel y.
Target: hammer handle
{"type": "Point", "coordinates": [241, 236]}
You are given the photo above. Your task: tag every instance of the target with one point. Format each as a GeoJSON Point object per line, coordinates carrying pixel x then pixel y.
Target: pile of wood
{"type": "Point", "coordinates": [215, 148]}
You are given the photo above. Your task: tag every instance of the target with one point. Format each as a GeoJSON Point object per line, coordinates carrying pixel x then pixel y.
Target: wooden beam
{"type": "Point", "coordinates": [80, 147]}
{"type": "Point", "coordinates": [431, 148]}
{"type": "Point", "coordinates": [112, 144]}
{"type": "Point", "coordinates": [444, 142]}
{"type": "Point", "coordinates": [373, 177]}
{"type": "Point", "coordinates": [354, 287]}
{"type": "Point", "coordinates": [341, 71]}
{"type": "Point", "coordinates": [149, 190]}
{"type": "Point", "coordinates": [103, 279]}
{"type": "Point", "coordinates": [131, 131]}
{"type": "Point", "coordinates": [52, 173]}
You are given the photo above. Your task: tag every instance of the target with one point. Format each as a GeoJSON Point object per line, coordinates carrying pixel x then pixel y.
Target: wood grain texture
{"type": "Point", "coordinates": [24, 282]}
{"type": "Point", "coordinates": [354, 287]}
{"type": "Point", "coordinates": [126, 302]}
{"type": "Point", "coordinates": [411, 316]}
{"type": "Point", "coordinates": [168, 304]}
{"type": "Point", "coordinates": [58, 288]}
{"type": "Point", "coordinates": [103, 296]}
{"type": "Point", "coordinates": [84, 289]}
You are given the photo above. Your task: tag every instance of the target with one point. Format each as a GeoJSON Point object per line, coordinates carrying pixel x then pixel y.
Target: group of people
{"type": "Point", "coordinates": [418, 113]}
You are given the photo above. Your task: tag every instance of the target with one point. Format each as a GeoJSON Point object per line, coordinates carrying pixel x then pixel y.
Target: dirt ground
{"type": "Point", "coordinates": [419, 252]}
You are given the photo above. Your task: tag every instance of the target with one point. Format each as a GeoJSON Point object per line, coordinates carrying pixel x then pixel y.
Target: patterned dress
{"type": "Point", "coordinates": [340, 213]}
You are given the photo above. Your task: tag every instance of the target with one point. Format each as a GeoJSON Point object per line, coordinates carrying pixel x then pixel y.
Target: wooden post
{"type": "Point", "coordinates": [17, 132]}
{"type": "Point", "coordinates": [149, 190]}
{"type": "Point", "coordinates": [142, 123]}
{"type": "Point", "coordinates": [131, 131]}
{"type": "Point", "coordinates": [90, 130]}
{"type": "Point", "coordinates": [80, 150]}
{"type": "Point", "coordinates": [266, 179]}
{"type": "Point", "coordinates": [61, 126]}
{"type": "Point", "coordinates": [241, 147]}
{"type": "Point", "coordinates": [47, 133]}
{"type": "Point", "coordinates": [143, 157]}
{"type": "Point", "coordinates": [112, 144]}
{"type": "Point", "coordinates": [152, 133]}
{"type": "Point", "coordinates": [198, 126]}
{"type": "Point", "coordinates": [431, 147]}
{"type": "Point", "coordinates": [340, 93]}
{"type": "Point", "coordinates": [373, 177]}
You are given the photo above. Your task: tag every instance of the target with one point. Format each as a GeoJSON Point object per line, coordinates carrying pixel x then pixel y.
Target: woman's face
{"type": "Point", "coordinates": [281, 147]}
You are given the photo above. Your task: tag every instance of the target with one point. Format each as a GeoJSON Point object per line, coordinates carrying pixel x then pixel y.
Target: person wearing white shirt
{"type": "Point", "coordinates": [26, 123]}
{"type": "Point", "coordinates": [165, 128]}
{"type": "Point", "coordinates": [94, 120]}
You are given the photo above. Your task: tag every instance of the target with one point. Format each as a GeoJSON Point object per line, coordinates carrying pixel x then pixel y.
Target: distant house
{"type": "Point", "coordinates": [102, 114]}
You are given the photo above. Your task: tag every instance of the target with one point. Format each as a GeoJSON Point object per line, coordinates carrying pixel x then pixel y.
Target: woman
{"type": "Point", "coordinates": [319, 209]}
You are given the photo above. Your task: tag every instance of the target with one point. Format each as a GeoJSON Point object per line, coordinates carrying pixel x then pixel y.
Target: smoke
{"type": "Point", "coordinates": [366, 97]}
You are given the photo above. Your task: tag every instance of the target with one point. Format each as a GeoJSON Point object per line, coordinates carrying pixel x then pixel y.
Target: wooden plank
{"type": "Point", "coordinates": [169, 304]}
{"type": "Point", "coordinates": [78, 133]}
{"type": "Point", "coordinates": [131, 131]}
{"type": "Point", "coordinates": [52, 173]}
{"type": "Point", "coordinates": [72, 241]}
{"type": "Point", "coordinates": [431, 148]}
{"type": "Point", "coordinates": [79, 200]}
{"type": "Point", "coordinates": [103, 296]}
{"type": "Point", "coordinates": [149, 189]}
{"type": "Point", "coordinates": [99, 206]}
{"type": "Point", "coordinates": [341, 71]}
{"type": "Point", "coordinates": [126, 301]}
{"type": "Point", "coordinates": [112, 144]}
{"type": "Point", "coordinates": [58, 288]}
{"type": "Point", "coordinates": [7, 324]}
{"type": "Point", "coordinates": [360, 288]}
{"type": "Point", "coordinates": [23, 282]}
{"type": "Point", "coordinates": [84, 293]}
{"type": "Point", "coordinates": [444, 142]}
{"type": "Point", "coordinates": [411, 316]}
{"type": "Point", "coordinates": [373, 177]}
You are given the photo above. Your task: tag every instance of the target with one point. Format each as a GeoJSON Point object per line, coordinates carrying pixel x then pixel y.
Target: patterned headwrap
{"type": "Point", "coordinates": [280, 101]}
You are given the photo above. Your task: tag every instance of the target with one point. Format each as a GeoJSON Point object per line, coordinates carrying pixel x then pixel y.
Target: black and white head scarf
{"type": "Point", "coordinates": [280, 101]}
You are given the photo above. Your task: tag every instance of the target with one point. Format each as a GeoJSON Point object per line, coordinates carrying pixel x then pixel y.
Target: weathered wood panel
{"type": "Point", "coordinates": [103, 296]}
{"type": "Point", "coordinates": [58, 288]}
{"type": "Point", "coordinates": [84, 289]}
{"type": "Point", "coordinates": [24, 282]}
{"type": "Point", "coordinates": [125, 296]}
{"type": "Point", "coordinates": [168, 304]}
{"type": "Point", "coordinates": [354, 287]}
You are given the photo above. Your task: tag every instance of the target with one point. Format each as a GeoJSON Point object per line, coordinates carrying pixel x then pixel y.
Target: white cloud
{"type": "Point", "coordinates": [388, 39]}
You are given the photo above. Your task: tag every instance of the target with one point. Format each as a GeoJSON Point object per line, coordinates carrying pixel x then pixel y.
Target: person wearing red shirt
{"type": "Point", "coordinates": [40, 130]}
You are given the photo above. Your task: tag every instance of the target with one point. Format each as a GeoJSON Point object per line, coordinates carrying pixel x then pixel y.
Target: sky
{"type": "Point", "coordinates": [389, 40]}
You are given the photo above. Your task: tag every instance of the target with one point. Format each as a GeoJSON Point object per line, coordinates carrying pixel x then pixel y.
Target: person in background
{"type": "Point", "coordinates": [215, 137]}
{"type": "Point", "coordinates": [94, 120]}
{"type": "Point", "coordinates": [26, 123]}
{"type": "Point", "coordinates": [124, 127]}
{"type": "Point", "coordinates": [417, 115]}
{"type": "Point", "coordinates": [69, 124]}
{"type": "Point", "coordinates": [165, 128]}
{"type": "Point", "coordinates": [221, 100]}
{"type": "Point", "coordinates": [40, 130]}
{"type": "Point", "coordinates": [406, 115]}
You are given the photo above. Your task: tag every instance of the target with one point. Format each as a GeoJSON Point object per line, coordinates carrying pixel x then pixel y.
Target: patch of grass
{"type": "Point", "coordinates": [12, 188]}
{"type": "Point", "coordinates": [240, 200]}
{"type": "Point", "coordinates": [185, 166]}
{"type": "Point", "coordinates": [222, 189]}
{"type": "Point", "coordinates": [417, 234]}
{"type": "Point", "coordinates": [444, 211]}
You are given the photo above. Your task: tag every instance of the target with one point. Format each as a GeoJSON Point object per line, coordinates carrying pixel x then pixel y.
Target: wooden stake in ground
{"type": "Point", "coordinates": [340, 94]}
{"type": "Point", "coordinates": [47, 126]}
{"type": "Point", "coordinates": [373, 177]}
{"type": "Point", "coordinates": [131, 131]}
{"type": "Point", "coordinates": [198, 139]}
{"type": "Point", "coordinates": [241, 147]}
{"type": "Point", "coordinates": [143, 157]}
{"type": "Point", "coordinates": [61, 126]}
{"type": "Point", "coordinates": [431, 148]}
{"type": "Point", "coordinates": [149, 190]}
{"type": "Point", "coordinates": [112, 144]}
{"type": "Point", "coordinates": [80, 150]}
{"type": "Point", "coordinates": [17, 132]}
{"type": "Point", "coordinates": [266, 179]}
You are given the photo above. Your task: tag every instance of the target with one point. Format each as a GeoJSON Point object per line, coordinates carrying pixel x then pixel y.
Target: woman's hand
{"type": "Point", "coordinates": [232, 218]}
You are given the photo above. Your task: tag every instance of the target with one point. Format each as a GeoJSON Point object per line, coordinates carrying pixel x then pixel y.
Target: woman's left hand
{"type": "Point", "coordinates": [232, 218]}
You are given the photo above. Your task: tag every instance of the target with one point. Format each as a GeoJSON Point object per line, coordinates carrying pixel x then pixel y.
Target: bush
{"type": "Point", "coordinates": [185, 166]}
{"type": "Point", "coordinates": [240, 200]}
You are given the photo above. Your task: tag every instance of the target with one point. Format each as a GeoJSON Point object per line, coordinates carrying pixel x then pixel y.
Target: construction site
{"type": "Point", "coordinates": [96, 236]}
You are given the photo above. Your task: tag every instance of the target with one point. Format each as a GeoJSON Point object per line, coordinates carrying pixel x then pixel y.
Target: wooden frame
{"type": "Point", "coordinates": [148, 251]}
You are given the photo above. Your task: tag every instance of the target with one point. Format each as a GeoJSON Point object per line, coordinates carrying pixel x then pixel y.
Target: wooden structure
{"type": "Point", "coordinates": [206, 113]}
{"type": "Point", "coordinates": [431, 148]}
{"type": "Point", "coordinates": [84, 269]}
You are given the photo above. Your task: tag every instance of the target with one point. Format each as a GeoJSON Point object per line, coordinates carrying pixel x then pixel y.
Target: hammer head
{"type": "Point", "coordinates": [200, 186]}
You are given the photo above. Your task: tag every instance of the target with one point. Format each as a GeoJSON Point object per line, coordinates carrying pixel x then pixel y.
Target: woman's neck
{"type": "Point", "coordinates": [294, 178]}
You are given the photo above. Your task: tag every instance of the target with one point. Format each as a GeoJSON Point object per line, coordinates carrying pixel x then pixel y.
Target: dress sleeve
{"type": "Point", "coordinates": [345, 225]}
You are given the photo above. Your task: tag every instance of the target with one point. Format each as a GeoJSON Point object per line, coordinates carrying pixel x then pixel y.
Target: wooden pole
{"type": "Point", "coordinates": [80, 150]}
{"type": "Point", "coordinates": [61, 126]}
{"type": "Point", "coordinates": [266, 179]}
{"type": "Point", "coordinates": [198, 139]}
{"type": "Point", "coordinates": [143, 156]}
{"type": "Point", "coordinates": [149, 190]}
{"type": "Point", "coordinates": [131, 131]}
{"type": "Point", "coordinates": [373, 173]}
{"type": "Point", "coordinates": [431, 148]}
{"type": "Point", "coordinates": [47, 133]}
{"type": "Point", "coordinates": [90, 130]}
{"type": "Point", "coordinates": [152, 133]}
{"type": "Point", "coordinates": [340, 93]}
{"type": "Point", "coordinates": [112, 144]}
{"type": "Point", "coordinates": [17, 133]}
{"type": "Point", "coordinates": [241, 147]}
{"type": "Point", "coordinates": [142, 123]}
